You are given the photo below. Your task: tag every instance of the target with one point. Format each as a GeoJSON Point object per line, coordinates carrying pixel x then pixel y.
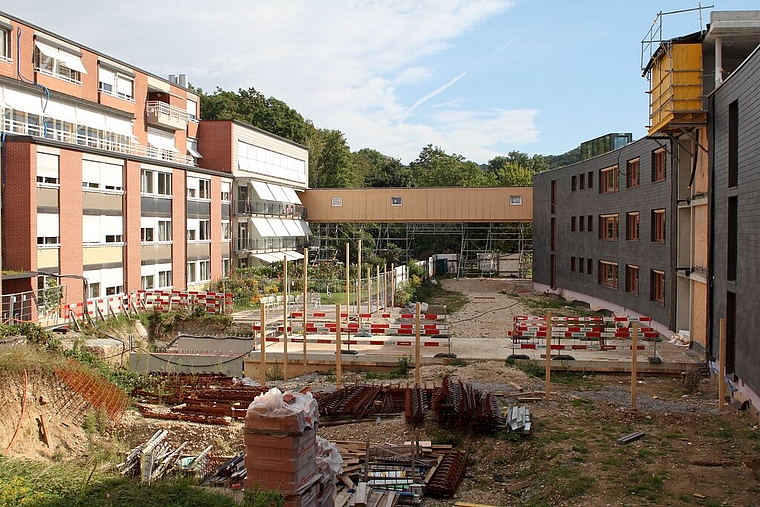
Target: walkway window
{"type": "Point", "coordinates": [608, 274]}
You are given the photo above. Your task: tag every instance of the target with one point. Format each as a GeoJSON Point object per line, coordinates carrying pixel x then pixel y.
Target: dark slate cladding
{"type": "Point", "coordinates": [156, 206]}
{"type": "Point", "coordinates": [743, 89]}
{"type": "Point", "coordinates": [644, 253]}
{"type": "Point", "coordinates": [198, 209]}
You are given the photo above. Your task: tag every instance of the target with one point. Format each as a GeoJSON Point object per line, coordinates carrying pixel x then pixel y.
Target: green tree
{"type": "Point", "coordinates": [377, 170]}
{"type": "Point", "coordinates": [435, 168]}
{"type": "Point", "coordinates": [334, 165]}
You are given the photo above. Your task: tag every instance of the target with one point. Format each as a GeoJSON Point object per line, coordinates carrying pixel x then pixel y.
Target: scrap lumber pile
{"type": "Point", "coordinates": [156, 458]}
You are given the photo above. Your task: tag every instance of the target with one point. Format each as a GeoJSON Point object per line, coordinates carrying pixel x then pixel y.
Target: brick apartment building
{"type": "Point", "coordinates": [103, 177]}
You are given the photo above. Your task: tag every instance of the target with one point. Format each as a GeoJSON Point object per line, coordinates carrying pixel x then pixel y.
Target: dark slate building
{"type": "Point", "coordinates": [734, 126]}
{"type": "Point", "coordinates": [602, 231]}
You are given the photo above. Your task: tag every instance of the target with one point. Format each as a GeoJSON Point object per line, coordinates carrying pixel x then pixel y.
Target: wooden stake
{"type": "Point", "coordinates": [417, 347]}
{"type": "Point", "coordinates": [377, 291]}
{"type": "Point", "coordinates": [359, 286]}
{"type": "Point", "coordinates": [348, 287]}
{"type": "Point", "coordinates": [722, 367]}
{"type": "Point", "coordinates": [285, 318]}
{"type": "Point", "coordinates": [263, 358]}
{"type": "Point", "coordinates": [338, 345]}
{"type": "Point", "coordinates": [393, 285]}
{"type": "Point", "coordinates": [547, 394]}
{"type": "Point", "coordinates": [385, 286]}
{"type": "Point", "coordinates": [305, 298]}
{"type": "Point", "coordinates": [634, 350]}
{"type": "Point", "coordinates": [369, 290]}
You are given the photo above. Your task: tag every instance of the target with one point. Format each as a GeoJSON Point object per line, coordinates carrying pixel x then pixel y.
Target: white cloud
{"type": "Point", "coordinates": [339, 63]}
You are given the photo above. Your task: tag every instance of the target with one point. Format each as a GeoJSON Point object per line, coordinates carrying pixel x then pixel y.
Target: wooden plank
{"type": "Point", "coordinates": [466, 504]}
{"type": "Point", "coordinates": [627, 439]}
{"type": "Point", "coordinates": [360, 495]}
{"type": "Point", "coordinates": [345, 479]}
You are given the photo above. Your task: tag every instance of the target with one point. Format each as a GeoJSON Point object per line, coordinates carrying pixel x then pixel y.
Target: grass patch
{"type": "Point", "coordinates": [443, 436]}
{"type": "Point", "coordinates": [434, 294]}
{"type": "Point", "coordinates": [401, 370]}
{"type": "Point", "coordinates": [646, 485]}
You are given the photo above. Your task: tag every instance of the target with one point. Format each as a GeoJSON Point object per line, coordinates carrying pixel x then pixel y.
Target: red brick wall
{"type": "Point", "coordinates": [70, 205]}
{"type": "Point", "coordinates": [215, 143]}
{"type": "Point", "coordinates": [132, 212]}
{"type": "Point", "coordinates": [179, 229]}
{"type": "Point", "coordinates": [20, 205]}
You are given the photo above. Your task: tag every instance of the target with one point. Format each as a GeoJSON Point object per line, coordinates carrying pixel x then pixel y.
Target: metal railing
{"type": "Point", "coordinates": [268, 245]}
{"type": "Point", "coordinates": [43, 306]}
{"type": "Point", "coordinates": [106, 141]}
{"type": "Point", "coordinates": [157, 107]}
{"type": "Point", "coordinates": [269, 208]}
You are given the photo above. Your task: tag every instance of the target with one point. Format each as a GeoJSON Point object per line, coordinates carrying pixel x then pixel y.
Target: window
{"type": "Point", "coordinates": [146, 234]}
{"type": "Point", "coordinates": [191, 275]}
{"type": "Point", "coordinates": [192, 108]}
{"type": "Point", "coordinates": [336, 202]}
{"type": "Point", "coordinates": [608, 227]}
{"type": "Point", "coordinates": [632, 226]}
{"type": "Point", "coordinates": [47, 169]}
{"type": "Point", "coordinates": [102, 176]}
{"type": "Point", "coordinates": [733, 238]}
{"type": "Point", "coordinates": [47, 229]}
{"type": "Point", "coordinates": [733, 144]}
{"type": "Point", "coordinates": [260, 160]}
{"type": "Point", "coordinates": [204, 270]}
{"type": "Point", "coordinates": [631, 279]}
{"type": "Point", "coordinates": [515, 200]}
{"type": "Point", "coordinates": [5, 44]}
{"type": "Point", "coordinates": [94, 290]}
{"type": "Point", "coordinates": [658, 225]}
{"type": "Point", "coordinates": [553, 233]}
{"type": "Point", "coordinates": [590, 266]}
{"type": "Point", "coordinates": [572, 264]}
{"type": "Point", "coordinates": [164, 278]}
{"type": "Point", "coordinates": [165, 230]}
{"type": "Point", "coordinates": [156, 183]}
{"type": "Point", "coordinates": [116, 289]}
{"type": "Point", "coordinates": [658, 165]}
{"type": "Point", "coordinates": [395, 201]}
{"type": "Point", "coordinates": [204, 189]}
{"type": "Point", "coordinates": [590, 224]}
{"type": "Point", "coordinates": [658, 286]}
{"type": "Point", "coordinates": [198, 188]}
{"type": "Point", "coordinates": [553, 198]}
{"type": "Point", "coordinates": [572, 224]}
{"type": "Point", "coordinates": [608, 274]}
{"type": "Point", "coordinates": [146, 282]}
{"type": "Point", "coordinates": [581, 223]}
{"type": "Point", "coordinates": [225, 267]}
{"type": "Point", "coordinates": [590, 179]}
{"type": "Point", "coordinates": [608, 180]}
{"type": "Point", "coordinates": [225, 230]}
{"type": "Point", "coordinates": [580, 265]}
{"type": "Point", "coordinates": [58, 62]}
{"type": "Point", "coordinates": [583, 181]}
{"type": "Point", "coordinates": [573, 183]}
{"type": "Point", "coordinates": [632, 173]}
{"type": "Point", "coordinates": [117, 83]}
{"type": "Point", "coordinates": [204, 230]}
{"type": "Point", "coordinates": [226, 186]}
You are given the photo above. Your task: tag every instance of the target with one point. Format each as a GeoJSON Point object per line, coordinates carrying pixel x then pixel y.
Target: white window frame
{"type": "Point", "coordinates": [5, 45]}
{"type": "Point", "coordinates": [155, 183]}
{"type": "Point", "coordinates": [119, 84]}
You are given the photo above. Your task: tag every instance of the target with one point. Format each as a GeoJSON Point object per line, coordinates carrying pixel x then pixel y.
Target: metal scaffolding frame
{"type": "Point", "coordinates": [477, 244]}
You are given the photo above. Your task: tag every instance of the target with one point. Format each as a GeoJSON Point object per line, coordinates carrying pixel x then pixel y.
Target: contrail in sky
{"type": "Point", "coordinates": [432, 94]}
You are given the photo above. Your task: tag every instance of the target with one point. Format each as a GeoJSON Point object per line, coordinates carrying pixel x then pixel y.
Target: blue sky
{"type": "Point", "coordinates": [479, 78]}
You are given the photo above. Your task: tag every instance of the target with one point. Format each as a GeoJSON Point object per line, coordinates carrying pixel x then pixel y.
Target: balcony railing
{"type": "Point", "coordinates": [268, 245]}
{"type": "Point", "coordinates": [166, 115]}
{"type": "Point", "coordinates": [269, 208]}
{"type": "Point", "coordinates": [105, 141]}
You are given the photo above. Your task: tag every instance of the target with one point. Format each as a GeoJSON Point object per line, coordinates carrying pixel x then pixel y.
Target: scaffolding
{"type": "Point", "coordinates": [481, 247]}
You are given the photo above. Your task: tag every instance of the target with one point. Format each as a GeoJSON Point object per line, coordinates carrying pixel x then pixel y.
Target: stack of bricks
{"type": "Point", "coordinates": [281, 455]}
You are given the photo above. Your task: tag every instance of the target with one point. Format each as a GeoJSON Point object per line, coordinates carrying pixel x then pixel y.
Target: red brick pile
{"type": "Point", "coordinates": [280, 437]}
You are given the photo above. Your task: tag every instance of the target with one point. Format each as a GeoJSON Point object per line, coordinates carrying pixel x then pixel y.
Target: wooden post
{"type": "Point", "coordinates": [285, 318]}
{"type": "Point", "coordinates": [263, 358]}
{"type": "Point", "coordinates": [377, 291]}
{"type": "Point", "coordinates": [417, 346]}
{"type": "Point", "coordinates": [305, 298]}
{"type": "Point", "coordinates": [393, 285]}
{"type": "Point", "coordinates": [385, 286]}
{"type": "Point", "coordinates": [369, 290]}
{"type": "Point", "coordinates": [359, 286]}
{"type": "Point", "coordinates": [634, 350]}
{"type": "Point", "coordinates": [722, 367]}
{"type": "Point", "coordinates": [547, 394]}
{"type": "Point", "coordinates": [338, 345]}
{"type": "Point", "coordinates": [348, 287]}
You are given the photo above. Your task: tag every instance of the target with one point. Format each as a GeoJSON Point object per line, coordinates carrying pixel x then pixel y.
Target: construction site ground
{"type": "Point", "coordinates": [690, 453]}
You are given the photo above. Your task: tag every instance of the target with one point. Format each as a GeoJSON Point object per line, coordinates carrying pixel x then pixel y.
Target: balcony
{"type": "Point", "coordinates": [92, 138]}
{"type": "Point", "coordinates": [675, 97]}
{"type": "Point", "coordinates": [161, 114]}
{"type": "Point", "coordinates": [268, 245]}
{"type": "Point", "coordinates": [269, 208]}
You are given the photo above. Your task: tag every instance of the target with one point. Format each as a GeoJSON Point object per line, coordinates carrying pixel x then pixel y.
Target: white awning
{"type": "Point", "coordinates": [293, 255]}
{"type": "Point", "coordinates": [60, 111]}
{"type": "Point", "coordinates": [20, 101]}
{"type": "Point", "coordinates": [71, 60]}
{"type": "Point", "coordinates": [161, 140]}
{"type": "Point", "coordinates": [269, 258]}
{"type": "Point", "coordinates": [263, 191]}
{"type": "Point", "coordinates": [278, 193]}
{"type": "Point", "coordinates": [278, 227]}
{"type": "Point", "coordinates": [119, 126]}
{"type": "Point", "coordinates": [192, 148]}
{"type": "Point", "coordinates": [305, 227]}
{"type": "Point", "coordinates": [262, 227]}
{"type": "Point", "coordinates": [292, 227]}
{"type": "Point", "coordinates": [291, 195]}
{"type": "Point", "coordinates": [91, 119]}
